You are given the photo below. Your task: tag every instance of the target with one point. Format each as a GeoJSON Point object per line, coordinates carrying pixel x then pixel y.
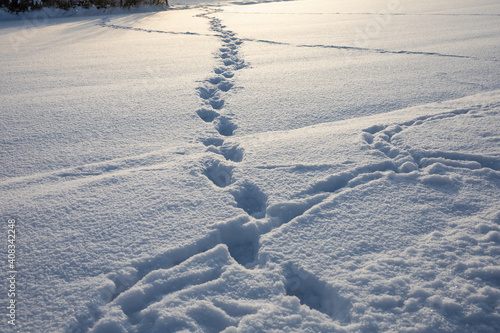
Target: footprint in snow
{"type": "Point", "coordinates": [207, 115]}
{"type": "Point", "coordinates": [220, 174]}
{"type": "Point", "coordinates": [225, 126]}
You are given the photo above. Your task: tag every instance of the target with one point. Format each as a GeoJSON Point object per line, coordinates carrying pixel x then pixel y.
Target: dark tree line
{"type": "Point", "coordinates": [16, 6]}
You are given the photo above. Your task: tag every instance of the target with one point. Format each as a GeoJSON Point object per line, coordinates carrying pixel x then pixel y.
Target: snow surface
{"type": "Point", "coordinates": [298, 166]}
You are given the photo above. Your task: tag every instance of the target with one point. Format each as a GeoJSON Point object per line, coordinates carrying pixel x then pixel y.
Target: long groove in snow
{"type": "Point", "coordinates": [122, 27]}
{"type": "Point", "coordinates": [366, 13]}
{"type": "Point", "coordinates": [323, 46]}
{"type": "Point", "coordinates": [386, 51]}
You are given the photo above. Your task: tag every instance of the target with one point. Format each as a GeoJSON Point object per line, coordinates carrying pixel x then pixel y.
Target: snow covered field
{"type": "Point", "coordinates": [295, 166]}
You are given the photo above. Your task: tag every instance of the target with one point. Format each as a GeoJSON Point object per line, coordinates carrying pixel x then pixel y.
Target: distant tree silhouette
{"type": "Point", "coordinates": [17, 6]}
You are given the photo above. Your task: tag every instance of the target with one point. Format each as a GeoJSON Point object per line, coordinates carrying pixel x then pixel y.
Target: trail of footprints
{"type": "Point", "coordinates": [380, 137]}
{"type": "Point", "coordinates": [213, 88]}
{"type": "Point", "coordinates": [248, 196]}
{"type": "Point", "coordinates": [241, 235]}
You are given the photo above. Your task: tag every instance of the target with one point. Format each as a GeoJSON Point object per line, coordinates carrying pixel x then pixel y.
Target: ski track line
{"type": "Point", "coordinates": [242, 234]}
{"type": "Point", "coordinates": [364, 49]}
{"type": "Point", "coordinates": [367, 13]}
{"type": "Point", "coordinates": [149, 161]}
{"type": "Point", "coordinates": [353, 48]}
{"type": "Point", "coordinates": [122, 27]}
{"type": "Point", "coordinates": [224, 34]}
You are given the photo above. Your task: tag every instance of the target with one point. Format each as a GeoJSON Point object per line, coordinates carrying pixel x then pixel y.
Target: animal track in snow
{"type": "Point", "coordinates": [232, 152]}
{"type": "Point", "coordinates": [217, 142]}
{"type": "Point", "coordinates": [221, 85]}
{"type": "Point", "coordinates": [241, 237]}
{"type": "Point", "coordinates": [379, 137]}
{"type": "Point", "coordinates": [251, 199]}
{"type": "Point", "coordinates": [207, 93]}
{"type": "Point", "coordinates": [351, 178]}
{"type": "Point", "coordinates": [139, 308]}
{"type": "Point", "coordinates": [224, 71]}
{"type": "Point", "coordinates": [214, 79]}
{"type": "Point", "coordinates": [218, 173]}
{"type": "Point", "coordinates": [353, 48]}
{"type": "Point", "coordinates": [216, 103]}
{"type": "Point", "coordinates": [207, 115]}
{"type": "Point", "coordinates": [224, 85]}
{"type": "Point", "coordinates": [224, 126]}
{"type": "Point", "coordinates": [156, 285]}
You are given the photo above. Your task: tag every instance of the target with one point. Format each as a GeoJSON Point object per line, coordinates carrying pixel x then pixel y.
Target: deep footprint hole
{"type": "Point", "coordinates": [216, 103]}
{"type": "Point", "coordinates": [215, 80]}
{"type": "Point", "coordinates": [225, 86]}
{"type": "Point", "coordinates": [217, 142]}
{"type": "Point", "coordinates": [228, 62]}
{"type": "Point", "coordinates": [232, 152]}
{"type": "Point", "coordinates": [225, 126]}
{"type": "Point", "coordinates": [221, 175]}
{"type": "Point", "coordinates": [207, 115]}
{"type": "Point", "coordinates": [219, 70]}
{"type": "Point", "coordinates": [207, 93]}
{"type": "Point", "coordinates": [241, 238]}
{"type": "Point", "coordinates": [251, 199]}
